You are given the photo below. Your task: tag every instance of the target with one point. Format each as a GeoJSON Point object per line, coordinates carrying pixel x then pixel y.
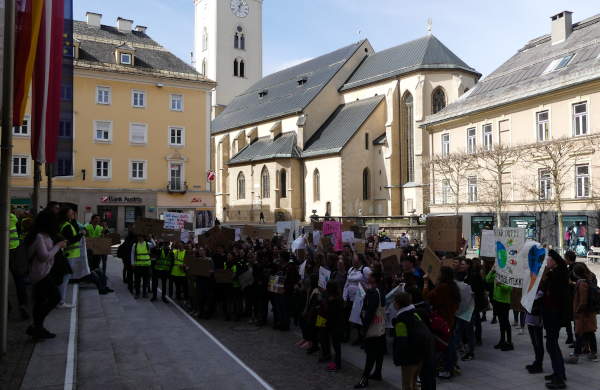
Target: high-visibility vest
{"type": "Point", "coordinates": [24, 232]}
{"type": "Point", "coordinates": [178, 262]}
{"type": "Point", "coordinates": [94, 231]}
{"type": "Point", "coordinates": [142, 255]}
{"type": "Point", "coordinates": [234, 268]}
{"type": "Point", "coordinates": [13, 234]}
{"type": "Point", "coordinates": [72, 251]}
{"type": "Point", "coordinates": [163, 263]}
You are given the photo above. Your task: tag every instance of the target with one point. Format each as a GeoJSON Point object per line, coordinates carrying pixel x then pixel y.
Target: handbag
{"type": "Point", "coordinates": [377, 326]}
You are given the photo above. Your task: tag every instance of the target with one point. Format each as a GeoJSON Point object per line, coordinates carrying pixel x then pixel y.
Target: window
{"type": "Point", "coordinates": [559, 63]}
{"type": "Point", "coordinates": [366, 184]}
{"type": "Point", "coordinates": [138, 98]}
{"type": "Point", "coordinates": [472, 188]}
{"type": "Point", "coordinates": [580, 120]}
{"type": "Point", "coordinates": [243, 42]}
{"type": "Point", "coordinates": [366, 141]}
{"type": "Point", "coordinates": [235, 68]}
{"type": "Point", "coordinates": [175, 176]}
{"type": "Point", "coordinates": [543, 125]}
{"type": "Point", "coordinates": [582, 181]}
{"type": "Point", "coordinates": [138, 133]}
{"type": "Point", "coordinates": [103, 95]}
{"type": "Point", "coordinates": [265, 183]}
{"type": "Point", "coordinates": [471, 140]}
{"type": "Point", "coordinates": [176, 136]}
{"type": "Point", "coordinates": [407, 121]}
{"type": "Point", "coordinates": [66, 92]}
{"type": "Point", "coordinates": [487, 136]}
{"type": "Point", "coordinates": [241, 186]}
{"type": "Point", "coordinates": [23, 130]}
{"type": "Point", "coordinates": [177, 102]}
{"type": "Point", "coordinates": [125, 58]}
{"type": "Point", "coordinates": [545, 181]}
{"type": "Point", "coordinates": [65, 128]}
{"type": "Point", "coordinates": [239, 39]}
{"type": "Point", "coordinates": [204, 67]}
{"type": "Point", "coordinates": [438, 100]}
{"type": "Point", "coordinates": [445, 144]}
{"type": "Point", "coordinates": [283, 183]}
{"type": "Point", "coordinates": [316, 186]}
{"type": "Point", "coordinates": [236, 41]}
{"type": "Point", "coordinates": [138, 170]}
{"type": "Point", "coordinates": [205, 39]}
{"type": "Point", "coordinates": [445, 191]}
{"type": "Point", "coordinates": [102, 131]}
{"type": "Point", "coordinates": [102, 169]}
{"type": "Point", "coordinates": [20, 165]}
{"type": "Point", "coordinates": [64, 165]}
{"type": "Point", "coordinates": [242, 68]}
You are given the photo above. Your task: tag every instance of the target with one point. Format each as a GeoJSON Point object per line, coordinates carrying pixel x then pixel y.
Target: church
{"type": "Point", "coordinates": [337, 135]}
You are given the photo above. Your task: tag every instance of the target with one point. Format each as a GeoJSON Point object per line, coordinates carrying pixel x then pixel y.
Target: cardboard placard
{"type": "Point", "coordinates": [444, 233]}
{"type": "Point", "coordinates": [115, 238]}
{"type": "Point", "coordinates": [391, 265]}
{"type": "Point", "coordinates": [255, 232]}
{"type": "Point", "coordinates": [217, 236]}
{"type": "Point", "coordinates": [431, 264]}
{"type": "Point", "coordinates": [99, 245]}
{"type": "Point", "coordinates": [223, 276]}
{"type": "Point", "coordinates": [347, 225]}
{"type": "Point", "coordinates": [198, 266]}
{"type": "Point", "coordinates": [148, 226]}
{"type": "Point", "coordinates": [170, 235]}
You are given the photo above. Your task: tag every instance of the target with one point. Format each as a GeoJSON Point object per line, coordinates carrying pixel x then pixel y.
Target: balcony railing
{"type": "Point", "coordinates": [176, 186]}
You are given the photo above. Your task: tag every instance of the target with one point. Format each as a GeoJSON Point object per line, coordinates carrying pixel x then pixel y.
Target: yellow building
{"type": "Point", "coordinates": [141, 119]}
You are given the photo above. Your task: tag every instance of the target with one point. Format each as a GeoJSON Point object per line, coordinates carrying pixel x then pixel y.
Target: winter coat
{"type": "Point", "coordinates": [413, 341]}
{"type": "Point", "coordinates": [585, 320]}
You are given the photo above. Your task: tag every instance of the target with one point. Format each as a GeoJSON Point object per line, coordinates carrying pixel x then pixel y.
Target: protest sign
{"type": "Point", "coordinates": [298, 243]}
{"type": "Point", "coordinates": [198, 266]}
{"type": "Point", "coordinates": [223, 276]}
{"type": "Point", "coordinates": [217, 236]}
{"type": "Point", "coordinates": [246, 279]}
{"type": "Point", "coordinates": [348, 237]}
{"type": "Point", "coordinates": [99, 245]}
{"type": "Point", "coordinates": [444, 233]}
{"type": "Point", "coordinates": [302, 270]}
{"type": "Point", "coordinates": [488, 243]}
{"type": "Point", "coordinates": [390, 310]}
{"type": "Point", "coordinates": [325, 243]}
{"type": "Point", "coordinates": [509, 241]}
{"type": "Point", "coordinates": [170, 235]}
{"type": "Point", "coordinates": [148, 227]}
{"type": "Point", "coordinates": [115, 238]}
{"type": "Point", "coordinates": [385, 246]}
{"type": "Point", "coordinates": [357, 306]}
{"type": "Point", "coordinates": [533, 257]}
{"type": "Point", "coordinates": [324, 275]}
{"type": "Point", "coordinates": [431, 264]}
{"type": "Point", "coordinates": [175, 221]}
{"type": "Point", "coordinates": [316, 237]}
{"type": "Point", "coordinates": [359, 246]}
{"type": "Point", "coordinates": [391, 265]}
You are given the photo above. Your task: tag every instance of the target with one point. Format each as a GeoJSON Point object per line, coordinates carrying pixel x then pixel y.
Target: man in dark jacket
{"type": "Point", "coordinates": [413, 342]}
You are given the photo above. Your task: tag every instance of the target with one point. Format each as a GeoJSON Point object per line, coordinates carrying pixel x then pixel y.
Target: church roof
{"type": "Point", "coordinates": [283, 93]}
{"type": "Point", "coordinates": [534, 70]}
{"type": "Point", "coordinates": [423, 53]}
{"type": "Point", "coordinates": [340, 127]}
{"type": "Point", "coordinates": [265, 148]}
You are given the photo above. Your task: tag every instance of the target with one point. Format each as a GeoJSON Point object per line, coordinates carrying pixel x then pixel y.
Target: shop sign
{"type": "Point", "coordinates": [120, 199]}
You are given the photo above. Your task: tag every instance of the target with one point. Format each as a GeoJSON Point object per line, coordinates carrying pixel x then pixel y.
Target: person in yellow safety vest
{"type": "Point", "coordinates": [161, 269]}
{"type": "Point", "coordinates": [17, 267]}
{"type": "Point", "coordinates": [24, 225]}
{"type": "Point", "coordinates": [178, 275]}
{"type": "Point", "coordinates": [142, 261]}
{"type": "Point", "coordinates": [95, 230]}
{"type": "Point", "coordinates": [70, 232]}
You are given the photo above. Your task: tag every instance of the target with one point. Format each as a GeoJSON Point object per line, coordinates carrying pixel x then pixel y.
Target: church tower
{"type": "Point", "coordinates": [228, 46]}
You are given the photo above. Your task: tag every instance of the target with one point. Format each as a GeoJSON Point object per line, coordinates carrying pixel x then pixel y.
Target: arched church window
{"type": "Point", "coordinates": [438, 100]}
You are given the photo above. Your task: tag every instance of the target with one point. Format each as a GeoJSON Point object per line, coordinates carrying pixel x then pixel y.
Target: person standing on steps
{"type": "Point", "coordinates": [141, 261]}
{"type": "Point", "coordinates": [94, 230]}
{"type": "Point", "coordinates": [177, 277]}
{"type": "Point", "coordinates": [161, 269]}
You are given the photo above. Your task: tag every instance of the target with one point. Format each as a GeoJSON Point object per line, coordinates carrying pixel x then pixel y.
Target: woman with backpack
{"type": "Point", "coordinates": [374, 322]}
{"type": "Point", "coordinates": [584, 313]}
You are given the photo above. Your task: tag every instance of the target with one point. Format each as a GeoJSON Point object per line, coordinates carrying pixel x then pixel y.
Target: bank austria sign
{"type": "Point", "coordinates": [120, 199]}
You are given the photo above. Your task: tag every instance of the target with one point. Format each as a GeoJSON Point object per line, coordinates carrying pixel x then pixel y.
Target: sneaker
{"type": "Point", "coordinates": [499, 345]}
{"type": "Point", "coordinates": [444, 375]}
{"type": "Point", "coordinates": [592, 357]}
{"type": "Point", "coordinates": [556, 384]}
{"type": "Point", "coordinates": [64, 305]}
{"type": "Point", "coordinates": [507, 347]}
{"type": "Point", "coordinates": [572, 359]}
{"type": "Point", "coordinates": [534, 369]}
{"type": "Point", "coordinates": [332, 367]}
{"type": "Point", "coordinates": [467, 357]}
{"type": "Point", "coordinates": [551, 377]}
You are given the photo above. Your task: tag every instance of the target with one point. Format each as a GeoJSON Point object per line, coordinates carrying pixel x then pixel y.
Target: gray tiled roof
{"type": "Point", "coordinates": [423, 53]}
{"type": "Point", "coordinates": [523, 75]}
{"type": "Point", "coordinates": [340, 127]}
{"type": "Point", "coordinates": [265, 148]}
{"type": "Point", "coordinates": [97, 48]}
{"type": "Point", "coordinates": [284, 95]}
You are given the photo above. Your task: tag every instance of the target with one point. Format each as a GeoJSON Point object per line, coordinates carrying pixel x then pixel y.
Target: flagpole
{"type": "Point", "coordinates": [37, 178]}
{"type": "Point", "coordinates": [49, 182]}
{"type": "Point", "coordinates": [6, 149]}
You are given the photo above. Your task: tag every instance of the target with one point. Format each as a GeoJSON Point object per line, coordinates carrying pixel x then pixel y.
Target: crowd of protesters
{"type": "Point", "coordinates": [435, 327]}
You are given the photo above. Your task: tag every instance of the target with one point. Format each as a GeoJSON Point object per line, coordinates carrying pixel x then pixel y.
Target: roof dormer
{"type": "Point", "coordinates": [125, 55]}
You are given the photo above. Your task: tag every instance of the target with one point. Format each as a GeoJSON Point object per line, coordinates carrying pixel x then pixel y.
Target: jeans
{"type": "Point", "coordinates": [450, 358]}
{"type": "Point", "coordinates": [141, 279]}
{"type": "Point", "coordinates": [163, 276]}
{"type": "Point", "coordinates": [552, 326]}
{"type": "Point", "coordinates": [45, 298]}
{"type": "Point", "coordinates": [536, 333]}
{"type": "Point", "coordinates": [464, 328]}
{"type": "Point", "coordinates": [375, 349]}
{"type": "Point", "coordinates": [180, 284]}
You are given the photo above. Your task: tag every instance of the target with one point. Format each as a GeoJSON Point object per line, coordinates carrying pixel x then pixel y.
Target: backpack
{"type": "Point", "coordinates": [593, 298]}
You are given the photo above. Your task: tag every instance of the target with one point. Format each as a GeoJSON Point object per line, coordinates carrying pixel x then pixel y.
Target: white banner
{"type": "Point", "coordinates": [175, 221]}
{"type": "Point", "coordinates": [533, 259]}
{"type": "Point", "coordinates": [509, 242]}
{"type": "Point", "coordinates": [487, 247]}
{"type": "Point", "coordinates": [324, 275]}
{"type": "Point", "coordinates": [357, 306]}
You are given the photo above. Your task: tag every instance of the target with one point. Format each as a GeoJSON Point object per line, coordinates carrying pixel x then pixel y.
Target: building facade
{"type": "Point", "coordinates": [228, 46]}
{"type": "Point", "coordinates": [140, 131]}
{"type": "Point", "coordinates": [533, 122]}
{"type": "Point", "coordinates": [336, 135]}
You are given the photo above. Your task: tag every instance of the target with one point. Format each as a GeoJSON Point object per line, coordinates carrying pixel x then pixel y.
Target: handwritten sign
{"type": "Point", "coordinates": [509, 241]}
{"type": "Point", "coordinates": [444, 233]}
{"type": "Point", "coordinates": [99, 245]}
{"type": "Point", "coordinates": [431, 264]}
{"type": "Point", "coordinates": [175, 221]}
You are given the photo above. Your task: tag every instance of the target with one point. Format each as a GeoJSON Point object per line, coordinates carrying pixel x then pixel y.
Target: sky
{"type": "Point", "coordinates": [482, 33]}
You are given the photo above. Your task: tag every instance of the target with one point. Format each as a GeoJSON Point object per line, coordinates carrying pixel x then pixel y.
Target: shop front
{"type": "Point", "coordinates": [479, 223]}
{"type": "Point", "coordinates": [200, 206]}
{"type": "Point", "coordinates": [575, 234]}
{"type": "Point", "coordinates": [527, 222]}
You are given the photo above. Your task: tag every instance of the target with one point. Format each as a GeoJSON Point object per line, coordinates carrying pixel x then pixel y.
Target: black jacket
{"type": "Point", "coordinates": [413, 341]}
{"type": "Point", "coordinates": [371, 303]}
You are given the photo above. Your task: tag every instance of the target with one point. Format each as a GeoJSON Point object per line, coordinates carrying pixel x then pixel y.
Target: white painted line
{"type": "Point", "coordinates": [224, 348]}
{"type": "Point", "coordinates": [70, 379]}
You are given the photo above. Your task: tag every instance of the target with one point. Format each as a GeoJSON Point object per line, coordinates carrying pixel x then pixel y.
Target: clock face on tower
{"type": "Point", "coordinates": [239, 8]}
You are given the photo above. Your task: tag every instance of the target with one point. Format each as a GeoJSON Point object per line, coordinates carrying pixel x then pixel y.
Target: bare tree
{"type": "Point", "coordinates": [557, 159]}
{"type": "Point", "coordinates": [450, 172]}
{"type": "Point", "coordinates": [496, 164]}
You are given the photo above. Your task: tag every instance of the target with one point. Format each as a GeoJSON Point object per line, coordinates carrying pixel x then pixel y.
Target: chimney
{"type": "Point", "coordinates": [562, 26]}
{"type": "Point", "coordinates": [141, 29]}
{"type": "Point", "coordinates": [124, 25]}
{"type": "Point", "coordinates": [93, 19]}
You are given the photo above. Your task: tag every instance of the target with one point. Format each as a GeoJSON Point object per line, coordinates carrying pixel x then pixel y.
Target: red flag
{"type": "Point", "coordinates": [46, 83]}
{"type": "Point", "coordinates": [27, 29]}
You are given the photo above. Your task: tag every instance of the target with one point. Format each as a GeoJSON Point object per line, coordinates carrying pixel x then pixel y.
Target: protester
{"type": "Point", "coordinates": [584, 313]}
{"type": "Point", "coordinates": [332, 332]}
{"type": "Point", "coordinates": [161, 268]}
{"type": "Point", "coordinates": [17, 259]}
{"type": "Point", "coordinates": [94, 229]}
{"type": "Point", "coordinates": [501, 302]}
{"type": "Point", "coordinates": [357, 276]}
{"type": "Point", "coordinates": [141, 262]}
{"type": "Point", "coordinates": [533, 320]}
